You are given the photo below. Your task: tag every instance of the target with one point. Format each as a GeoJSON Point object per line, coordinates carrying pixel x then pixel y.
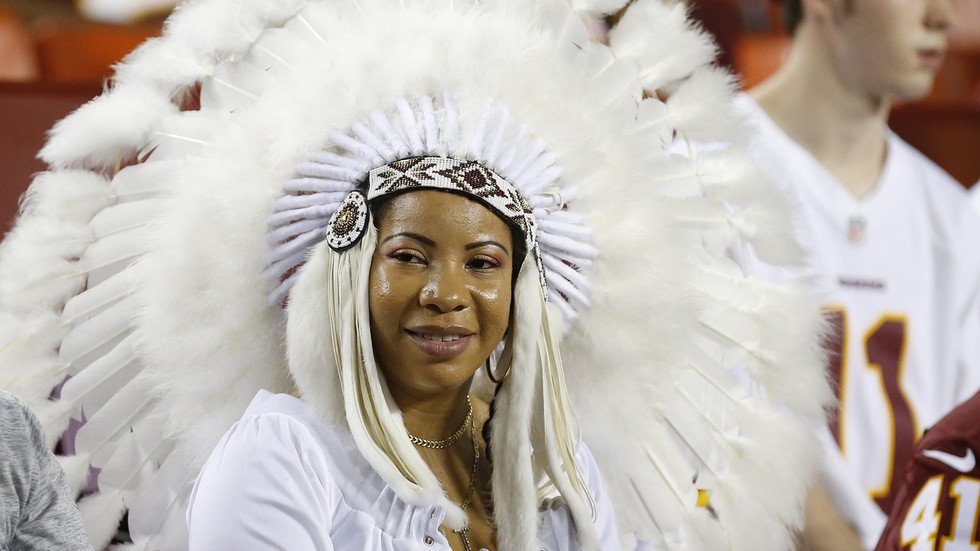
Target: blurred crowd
{"type": "Point", "coordinates": [60, 40]}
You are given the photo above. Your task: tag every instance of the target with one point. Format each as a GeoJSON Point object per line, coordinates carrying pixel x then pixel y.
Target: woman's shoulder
{"type": "Point", "coordinates": [268, 405]}
{"type": "Point", "coordinates": [283, 430]}
{"type": "Point", "coordinates": [280, 466]}
{"type": "Point", "coordinates": [283, 420]}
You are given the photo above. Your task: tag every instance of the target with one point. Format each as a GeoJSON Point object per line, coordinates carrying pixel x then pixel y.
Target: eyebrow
{"type": "Point", "coordinates": [485, 243]}
{"type": "Point", "coordinates": [431, 243]}
{"type": "Point", "coordinates": [411, 235]}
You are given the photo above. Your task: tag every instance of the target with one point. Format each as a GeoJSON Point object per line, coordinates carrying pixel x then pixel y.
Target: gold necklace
{"type": "Point", "coordinates": [464, 532]}
{"type": "Point", "coordinates": [452, 439]}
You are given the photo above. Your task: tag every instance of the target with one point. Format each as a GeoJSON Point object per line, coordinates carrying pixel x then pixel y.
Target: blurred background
{"type": "Point", "coordinates": [57, 54]}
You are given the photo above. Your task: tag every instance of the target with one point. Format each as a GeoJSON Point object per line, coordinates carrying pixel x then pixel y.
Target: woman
{"type": "Point", "coordinates": [440, 290]}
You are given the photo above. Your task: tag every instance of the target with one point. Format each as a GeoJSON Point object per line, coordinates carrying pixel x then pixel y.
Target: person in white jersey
{"type": "Point", "coordinates": [894, 252]}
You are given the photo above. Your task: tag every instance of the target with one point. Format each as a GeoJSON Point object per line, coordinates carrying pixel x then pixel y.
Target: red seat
{"type": "Point", "coordinates": [85, 52]}
{"type": "Point", "coordinates": [758, 55]}
{"type": "Point", "coordinates": [947, 134]}
{"type": "Point", "coordinates": [27, 112]}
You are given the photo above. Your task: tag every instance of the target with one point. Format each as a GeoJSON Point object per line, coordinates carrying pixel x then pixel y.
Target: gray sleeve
{"type": "Point", "coordinates": [37, 512]}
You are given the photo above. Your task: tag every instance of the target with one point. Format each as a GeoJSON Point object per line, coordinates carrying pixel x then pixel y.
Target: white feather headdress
{"type": "Point", "coordinates": [136, 270]}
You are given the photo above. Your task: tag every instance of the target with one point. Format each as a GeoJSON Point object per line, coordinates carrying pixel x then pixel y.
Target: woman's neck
{"type": "Point", "coordinates": [432, 416]}
{"type": "Point", "coordinates": [842, 126]}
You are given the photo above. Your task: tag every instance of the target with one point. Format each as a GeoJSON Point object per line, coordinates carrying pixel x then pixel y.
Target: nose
{"type": "Point", "coordinates": [939, 15]}
{"type": "Point", "coordinates": [445, 291]}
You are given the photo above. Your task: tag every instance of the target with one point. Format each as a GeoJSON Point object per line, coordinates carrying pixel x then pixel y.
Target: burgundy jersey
{"type": "Point", "coordinates": [938, 505]}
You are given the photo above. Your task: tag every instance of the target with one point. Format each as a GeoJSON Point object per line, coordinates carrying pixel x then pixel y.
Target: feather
{"type": "Point", "coordinates": [143, 180]}
{"type": "Point", "coordinates": [163, 499]}
{"type": "Point", "coordinates": [279, 46]}
{"type": "Point", "coordinates": [135, 461]}
{"type": "Point", "coordinates": [107, 256]}
{"type": "Point", "coordinates": [99, 436]}
{"type": "Point", "coordinates": [568, 26]}
{"type": "Point", "coordinates": [652, 120]}
{"type": "Point", "coordinates": [90, 388]}
{"type": "Point", "coordinates": [123, 217]}
{"type": "Point", "coordinates": [617, 86]}
{"type": "Point", "coordinates": [96, 299]}
{"type": "Point", "coordinates": [180, 136]}
{"type": "Point", "coordinates": [76, 469]}
{"type": "Point", "coordinates": [678, 51]}
{"type": "Point", "coordinates": [100, 517]}
{"type": "Point", "coordinates": [227, 89]}
{"type": "Point", "coordinates": [136, 108]}
{"type": "Point", "coordinates": [94, 338]}
{"type": "Point", "coordinates": [701, 108]}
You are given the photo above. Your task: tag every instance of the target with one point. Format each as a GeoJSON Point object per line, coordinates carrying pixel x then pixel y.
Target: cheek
{"type": "Point", "coordinates": [496, 305]}
{"type": "Point", "coordinates": [385, 301]}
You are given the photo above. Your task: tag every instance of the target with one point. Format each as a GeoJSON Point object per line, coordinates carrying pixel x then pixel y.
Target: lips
{"type": "Point", "coordinates": [441, 343]}
{"type": "Point", "coordinates": [931, 59]}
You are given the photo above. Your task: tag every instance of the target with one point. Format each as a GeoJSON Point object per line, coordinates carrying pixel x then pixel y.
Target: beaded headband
{"type": "Point", "coordinates": [470, 178]}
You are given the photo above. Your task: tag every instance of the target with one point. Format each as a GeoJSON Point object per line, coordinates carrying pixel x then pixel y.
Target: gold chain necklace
{"type": "Point", "coordinates": [464, 533]}
{"type": "Point", "coordinates": [452, 439]}
{"type": "Point", "coordinates": [449, 441]}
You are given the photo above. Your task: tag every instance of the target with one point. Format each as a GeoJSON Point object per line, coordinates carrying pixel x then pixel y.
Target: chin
{"type": "Point", "coordinates": [914, 88]}
{"type": "Point", "coordinates": [437, 377]}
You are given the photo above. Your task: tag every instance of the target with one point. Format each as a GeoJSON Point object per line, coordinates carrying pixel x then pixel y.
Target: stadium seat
{"type": "Point", "coordinates": [28, 110]}
{"type": "Point", "coordinates": [85, 52]}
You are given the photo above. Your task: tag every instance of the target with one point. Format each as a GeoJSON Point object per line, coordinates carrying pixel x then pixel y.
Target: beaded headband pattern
{"type": "Point", "coordinates": [470, 178]}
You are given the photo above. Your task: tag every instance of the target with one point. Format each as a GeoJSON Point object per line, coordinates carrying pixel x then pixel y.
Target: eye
{"type": "Point", "coordinates": [407, 256]}
{"type": "Point", "coordinates": [483, 263]}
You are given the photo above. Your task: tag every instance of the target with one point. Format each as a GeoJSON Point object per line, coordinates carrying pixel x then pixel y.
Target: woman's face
{"type": "Point", "coordinates": [440, 290]}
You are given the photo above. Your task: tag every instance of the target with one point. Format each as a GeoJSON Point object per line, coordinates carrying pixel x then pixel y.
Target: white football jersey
{"type": "Point", "coordinates": [899, 274]}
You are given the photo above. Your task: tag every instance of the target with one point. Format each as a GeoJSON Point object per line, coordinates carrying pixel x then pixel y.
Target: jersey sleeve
{"type": "Point", "coordinates": [938, 506]}
{"type": "Point", "coordinates": [263, 489]}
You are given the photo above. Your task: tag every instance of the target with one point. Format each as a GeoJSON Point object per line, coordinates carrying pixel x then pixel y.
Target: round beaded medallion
{"type": "Point", "coordinates": [349, 223]}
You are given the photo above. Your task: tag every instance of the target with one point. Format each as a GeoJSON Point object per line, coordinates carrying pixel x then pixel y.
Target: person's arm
{"type": "Point", "coordinates": [826, 529]}
{"type": "Point", "coordinates": [30, 477]}
{"type": "Point", "coordinates": [263, 488]}
{"type": "Point", "coordinates": [847, 495]}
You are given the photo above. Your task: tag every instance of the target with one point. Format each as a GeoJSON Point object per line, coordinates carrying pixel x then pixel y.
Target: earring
{"type": "Point", "coordinates": [493, 379]}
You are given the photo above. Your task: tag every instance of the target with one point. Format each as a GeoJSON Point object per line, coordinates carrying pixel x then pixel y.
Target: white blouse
{"type": "Point", "coordinates": [281, 478]}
